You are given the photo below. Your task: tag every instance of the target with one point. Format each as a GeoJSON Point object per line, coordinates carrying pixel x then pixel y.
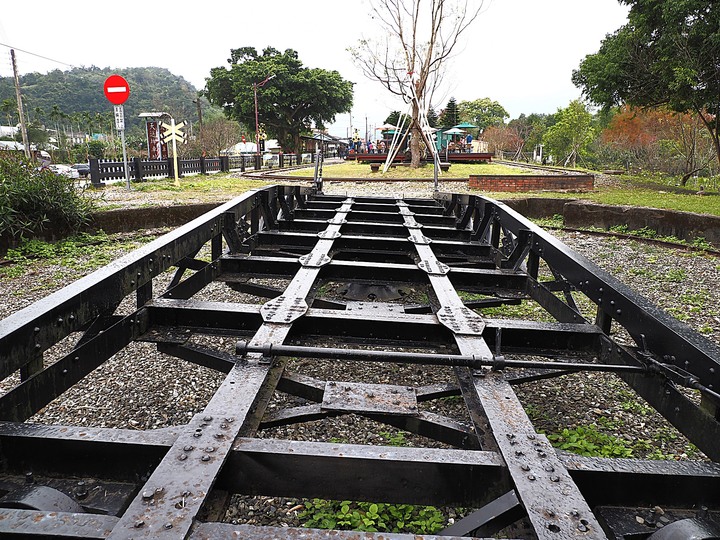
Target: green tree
{"type": "Point", "coordinates": [571, 134]}
{"type": "Point", "coordinates": [9, 109]}
{"type": "Point", "coordinates": [482, 112]}
{"type": "Point", "coordinates": [289, 104]}
{"type": "Point", "coordinates": [433, 119]}
{"type": "Point", "coordinates": [530, 128]}
{"type": "Point", "coordinates": [667, 54]}
{"type": "Point", "coordinates": [450, 116]}
{"type": "Point", "coordinates": [393, 118]}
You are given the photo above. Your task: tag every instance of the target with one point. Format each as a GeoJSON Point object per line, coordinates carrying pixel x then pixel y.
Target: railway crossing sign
{"type": "Point", "coordinates": [173, 132]}
{"type": "Point", "coordinates": [116, 89]}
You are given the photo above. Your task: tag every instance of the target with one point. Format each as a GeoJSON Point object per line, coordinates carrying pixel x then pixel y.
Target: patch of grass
{"type": "Point", "coordinates": [591, 442]}
{"type": "Point", "coordinates": [353, 169]}
{"type": "Point", "coordinates": [82, 252]}
{"type": "Point", "coordinates": [524, 310]}
{"type": "Point", "coordinates": [203, 184]}
{"type": "Point", "coordinates": [557, 220]}
{"type": "Point", "coordinates": [675, 275]}
{"type": "Point", "coordinates": [709, 204]}
{"type": "Point", "coordinates": [394, 439]}
{"type": "Point", "coordinates": [371, 517]}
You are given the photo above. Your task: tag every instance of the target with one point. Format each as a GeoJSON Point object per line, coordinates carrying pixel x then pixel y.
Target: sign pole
{"type": "Point", "coordinates": [173, 132]}
{"type": "Point", "coordinates": [120, 126]}
{"type": "Point", "coordinates": [175, 159]}
{"type": "Point", "coordinates": [117, 90]}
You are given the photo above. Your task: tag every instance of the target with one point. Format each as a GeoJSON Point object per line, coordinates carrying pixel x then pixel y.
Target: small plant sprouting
{"type": "Point", "coordinates": [589, 441]}
{"type": "Point", "coordinates": [371, 517]}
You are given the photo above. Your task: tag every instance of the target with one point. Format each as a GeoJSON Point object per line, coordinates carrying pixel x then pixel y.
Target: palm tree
{"type": "Point", "coordinates": [9, 108]}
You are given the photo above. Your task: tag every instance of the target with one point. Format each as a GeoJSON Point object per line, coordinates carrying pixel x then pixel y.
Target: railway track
{"type": "Point", "coordinates": [68, 481]}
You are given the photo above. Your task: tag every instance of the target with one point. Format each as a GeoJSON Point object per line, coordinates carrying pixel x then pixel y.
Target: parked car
{"type": "Point", "coordinates": [64, 170]}
{"type": "Point", "coordinates": [83, 169]}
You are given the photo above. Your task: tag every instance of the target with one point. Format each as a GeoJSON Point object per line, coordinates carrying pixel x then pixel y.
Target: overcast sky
{"type": "Point", "coordinates": [520, 53]}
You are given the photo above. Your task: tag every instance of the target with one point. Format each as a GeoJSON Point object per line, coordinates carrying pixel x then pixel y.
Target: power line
{"type": "Point", "coordinates": [38, 55]}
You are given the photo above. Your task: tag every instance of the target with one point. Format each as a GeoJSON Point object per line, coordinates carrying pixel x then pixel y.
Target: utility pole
{"type": "Point", "coordinates": [200, 121]}
{"type": "Point", "coordinates": [18, 97]}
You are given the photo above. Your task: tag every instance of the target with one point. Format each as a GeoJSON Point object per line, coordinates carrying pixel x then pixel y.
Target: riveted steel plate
{"type": "Point", "coordinates": [329, 234]}
{"type": "Point", "coordinates": [461, 320]}
{"type": "Point", "coordinates": [284, 309]}
{"type": "Point", "coordinates": [376, 308]}
{"type": "Point", "coordinates": [405, 211]}
{"type": "Point", "coordinates": [434, 267]}
{"type": "Point", "coordinates": [410, 223]}
{"type": "Point", "coordinates": [377, 398]}
{"type": "Point", "coordinates": [314, 260]}
{"type": "Point", "coordinates": [418, 238]}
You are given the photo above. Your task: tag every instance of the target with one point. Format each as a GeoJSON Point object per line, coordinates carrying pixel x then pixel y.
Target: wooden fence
{"type": "Point", "coordinates": [141, 169]}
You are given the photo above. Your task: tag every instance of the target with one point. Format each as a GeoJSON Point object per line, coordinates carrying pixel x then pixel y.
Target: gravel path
{"type": "Point", "coordinates": [143, 389]}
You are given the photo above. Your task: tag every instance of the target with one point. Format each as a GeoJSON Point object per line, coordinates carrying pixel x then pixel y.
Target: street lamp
{"type": "Point", "coordinates": [257, 122]}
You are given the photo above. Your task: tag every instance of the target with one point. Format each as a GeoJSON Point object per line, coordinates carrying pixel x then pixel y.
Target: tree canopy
{"type": "Point", "coordinates": [289, 103]}
{"type": "Point", "coordinates": [667, 54]}
{"type": "Point", "coordinates": [571, 134]}
{"type": "Point", "coordinates": [450, 115]}
{"type": "Point", "coordinates": [483, 113]}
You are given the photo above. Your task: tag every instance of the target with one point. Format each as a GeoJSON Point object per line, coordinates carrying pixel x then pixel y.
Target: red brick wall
{"type": "Point", "coordinates": [530, 182]}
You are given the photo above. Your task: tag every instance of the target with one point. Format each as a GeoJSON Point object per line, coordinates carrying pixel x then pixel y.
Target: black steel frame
{"type": "Point", "coordinates": [165, 483]}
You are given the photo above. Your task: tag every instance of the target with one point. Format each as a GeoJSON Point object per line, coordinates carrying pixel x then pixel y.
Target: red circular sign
{"type": "Point", "coordinates": [116, 89]}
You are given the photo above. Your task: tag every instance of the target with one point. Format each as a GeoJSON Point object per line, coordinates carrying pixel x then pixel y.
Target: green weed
{"type": "Point", "coordinates": [394, 439]}
{"type": "Point", "coordinates": [589, 441]}
{"type": "Point", "coordinates": [675, 275]}
{"type": "Point", "coordinates": [371, 517]}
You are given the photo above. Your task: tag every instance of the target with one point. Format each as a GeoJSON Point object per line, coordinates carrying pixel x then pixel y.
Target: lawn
{"type": "Point", "coordinates": [628, 191]}
{"type": "Point", "coordinates": [352, 169]}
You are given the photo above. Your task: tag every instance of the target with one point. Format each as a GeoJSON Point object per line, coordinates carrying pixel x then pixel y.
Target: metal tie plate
{"type": "Point", "coordinates": [370, 398]}
{"type": "Point", "coordinates": [416, 237]}
{"type": "Point", "coordinates": [461, 320]}
{"type": "Point", "coordinates": [410, 223]}
{"type": "Point", "coordinates": [405, 211]}
{"type": "Point", "coordinates": [329, 234]}
{"type": "Point", "coordinates": [283, 309]}
{"type": "Point", "coordinates": [337, 221]}
{"type": "Point", "coordinates": [434, 267]}
{"type": "Point", "coordinates": [314, 260]}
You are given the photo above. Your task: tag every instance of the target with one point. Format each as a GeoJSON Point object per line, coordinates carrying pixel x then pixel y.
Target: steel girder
{"type": "Point", "coordinates": [65, 481]}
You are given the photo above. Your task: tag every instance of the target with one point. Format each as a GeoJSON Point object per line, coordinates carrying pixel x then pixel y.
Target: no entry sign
{"type": "Point", "coordinates": [117, 90]}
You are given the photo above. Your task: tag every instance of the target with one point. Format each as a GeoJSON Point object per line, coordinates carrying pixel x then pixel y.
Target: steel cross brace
{"type": "Point", "coordinates": [541, 480]}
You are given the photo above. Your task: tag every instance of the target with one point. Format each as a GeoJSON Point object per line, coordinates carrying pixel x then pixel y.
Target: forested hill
{"type": "Point", "coordinates": [60, 96]}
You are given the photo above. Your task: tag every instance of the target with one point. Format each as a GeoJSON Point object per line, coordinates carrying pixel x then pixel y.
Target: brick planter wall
{"type": "Point", "coordinates": [532, 182]}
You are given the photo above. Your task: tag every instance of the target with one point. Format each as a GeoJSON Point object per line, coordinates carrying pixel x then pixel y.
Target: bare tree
{"type": "Point", "coordinates": [220, 134]}
{"type": "Point", "coordinates": [418, 37]}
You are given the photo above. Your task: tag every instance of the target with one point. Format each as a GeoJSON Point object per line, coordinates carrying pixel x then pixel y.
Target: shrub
{"type": "Point", "coordinates": [31, 201]}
